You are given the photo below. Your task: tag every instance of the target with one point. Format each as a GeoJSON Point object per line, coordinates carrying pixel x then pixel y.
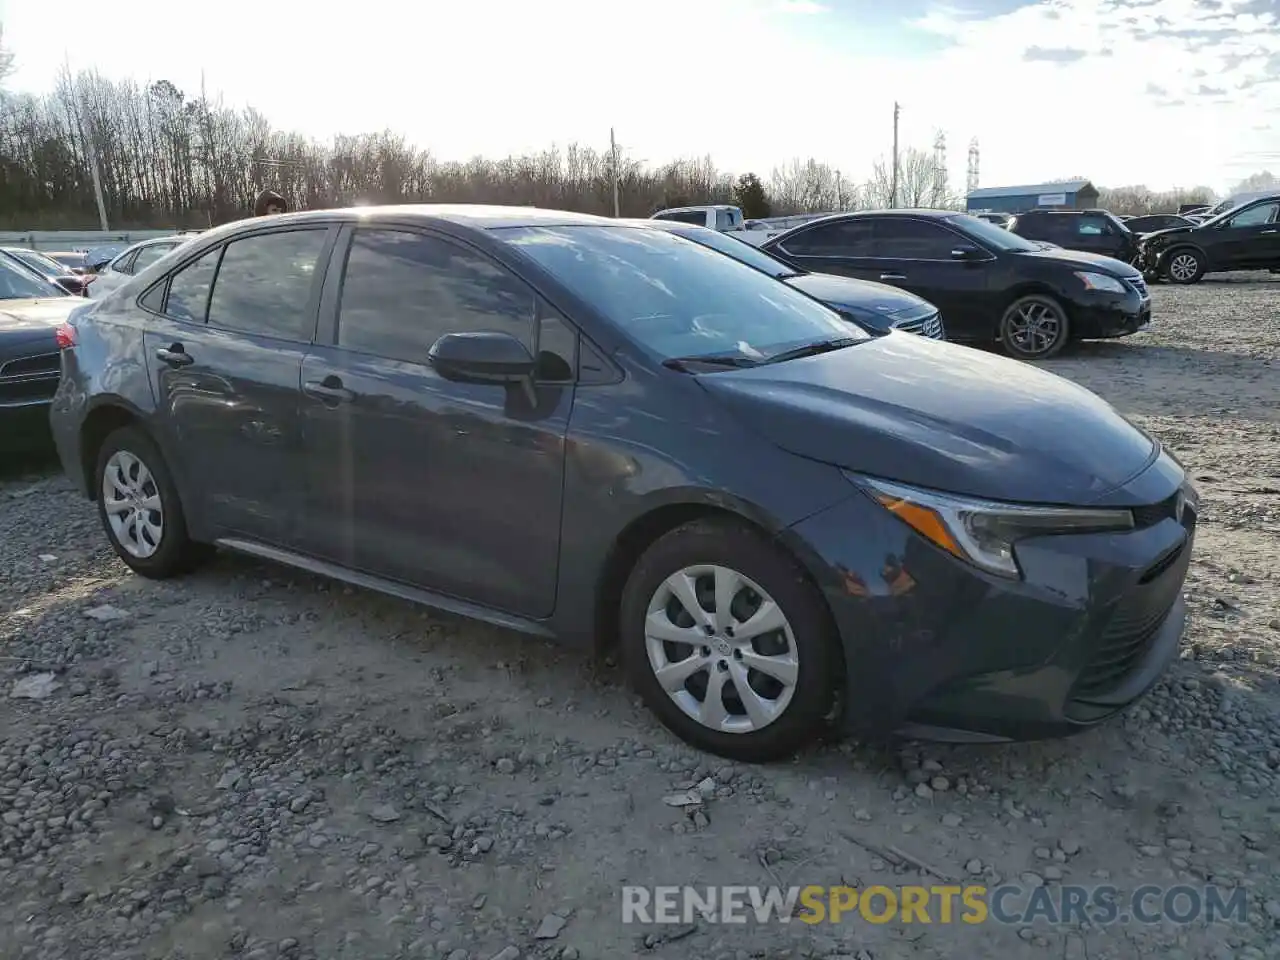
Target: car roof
{"type": "Point", "coordinates": [482, 216]}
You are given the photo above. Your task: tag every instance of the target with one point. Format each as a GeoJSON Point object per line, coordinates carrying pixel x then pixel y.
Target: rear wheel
{"type": "Point", "coordinates": [140, 509]}
{"type": "Point", "coordinates": [1184, 266]}
{"type": "Point", "coordinates": [1034, 327]}
{"type": "Point", "coordinates": [728, 642]}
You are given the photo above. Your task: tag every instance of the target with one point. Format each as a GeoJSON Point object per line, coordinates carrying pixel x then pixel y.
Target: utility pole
{"type": "Point", "coordinates": [893, 190]}
{"type": "Point", "coordinates": [90, 153]}
{"type": "Point", "coordinates": [839, 192]}
{"type": "Point", "coordinates": [613, 152]}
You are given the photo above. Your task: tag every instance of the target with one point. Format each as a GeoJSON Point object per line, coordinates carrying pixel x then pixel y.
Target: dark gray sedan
{"type": "Point", "coordinates": [607, 434]}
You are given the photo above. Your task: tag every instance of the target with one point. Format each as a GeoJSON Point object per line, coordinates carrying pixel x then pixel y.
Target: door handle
{"type": "Point", "coordinates": [175, 355]}
{"type": "Point", "coordinates": [330, 388]}
{"type": "Point", "coordinates": [892, 276]}
{"type": "Point", "coordinates": [1268, 231]}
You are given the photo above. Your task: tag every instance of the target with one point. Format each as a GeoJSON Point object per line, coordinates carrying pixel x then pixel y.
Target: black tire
{"type": "Point", "coordinates": [814, 641]}
{"type": "Point", "coordinates": [1026, 339]}
{"type": "Point", "coordinates": [176, 553]}
{"type": "Point", "coordinates": [1184, 266]}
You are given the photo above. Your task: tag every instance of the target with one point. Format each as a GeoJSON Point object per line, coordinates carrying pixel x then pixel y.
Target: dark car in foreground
{"type": "Point", "coordinates": [875, 305]}
{"type": "Point", "coordinates": [1090, 231]}
{"type": "Point", "coordinates": [611, 435]}
{"type": "Point", "coordinates": [31, 310]}
{"type": "Point", "coordinates": [989, 283]}
{"type": "Point", "coordinates": [48, 268]}
{"type": "Point", "coordinates": [1244, 238]}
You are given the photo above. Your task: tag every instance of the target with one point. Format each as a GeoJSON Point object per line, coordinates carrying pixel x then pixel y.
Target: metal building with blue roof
{"type": "Point", "coordinates": [1067, 195]}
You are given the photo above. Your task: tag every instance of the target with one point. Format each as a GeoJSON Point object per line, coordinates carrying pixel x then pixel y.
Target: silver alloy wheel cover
{"type": "Point", "coordinates": [1035, 325]}
{"type": "Point", "coordinates": [131, 500]}
{"type": "Point", "coordinates": [1183, 266]}
{"type": "Point", "coordinates": [721, 646]}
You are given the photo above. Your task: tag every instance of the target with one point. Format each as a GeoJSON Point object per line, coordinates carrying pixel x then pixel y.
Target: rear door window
{"type": "Point", "coordinates": [846, 238]}
{"type": "Point", "coordinates": [264, 284]}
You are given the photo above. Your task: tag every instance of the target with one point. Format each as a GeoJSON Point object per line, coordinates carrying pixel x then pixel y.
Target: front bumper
{"type": "Point", "coordinates": [935, 648]}
{"type": "Point", "coordinates": [1103, 316]}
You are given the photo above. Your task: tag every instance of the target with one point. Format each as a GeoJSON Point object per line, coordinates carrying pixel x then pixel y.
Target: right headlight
{"type": "Point", "coordinates": [984, 532]}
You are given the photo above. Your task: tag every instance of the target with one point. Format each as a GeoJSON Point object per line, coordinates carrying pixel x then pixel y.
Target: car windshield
{"type": "Point", "coordinates": [678, 298]}
{"type": "Point", "coordinates": [18, 284]}
{"type": "Point", "coordinates": [740, 250]}
{"type": "Point", "coordinates": [70, 259]}
{"type": "Point", "coordinates": [990, 234]}
{"type": "Point", "coordinates": [40, 262]}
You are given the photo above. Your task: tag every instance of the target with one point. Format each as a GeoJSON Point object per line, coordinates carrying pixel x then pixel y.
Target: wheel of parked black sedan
{"type": "Point", "coordinates": [140, 509]}
{"type": "Point", "coordinates": [1034, 327]}
{"type": "Point", "coordinates": [728, 642]}
{"type": "Point", "coordinates": [1184, 266]}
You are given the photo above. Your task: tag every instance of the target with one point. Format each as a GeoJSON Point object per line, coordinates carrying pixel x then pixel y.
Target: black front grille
{"type": "Point", "coordinates": [1133, 624]}
{"type": "Point", "coordinates": [928, 326]}
{"type": "Point", "coordinates": [1140, 285]}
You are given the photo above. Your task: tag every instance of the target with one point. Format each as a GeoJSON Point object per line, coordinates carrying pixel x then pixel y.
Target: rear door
{"type": "Point", "coordinates": [843, 247]}
{"type": "Point", "coordinates": [225, 354]}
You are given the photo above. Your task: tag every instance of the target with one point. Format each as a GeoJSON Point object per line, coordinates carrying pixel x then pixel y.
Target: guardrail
{"type": "Point", "coordinates": [78, 240]}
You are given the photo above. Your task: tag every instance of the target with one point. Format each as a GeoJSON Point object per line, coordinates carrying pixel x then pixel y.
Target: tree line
{"type": "Point", "coordinates": [170, 159]}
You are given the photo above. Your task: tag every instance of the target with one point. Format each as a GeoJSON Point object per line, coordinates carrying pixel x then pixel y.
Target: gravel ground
{"type": "Point", "coordinates": [255, 763]}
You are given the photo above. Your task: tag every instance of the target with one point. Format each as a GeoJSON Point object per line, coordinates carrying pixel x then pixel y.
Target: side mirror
{"type": "Point", "coordinates": [481, 358]}
{"type": "Point", "coordinates": [966, 252]}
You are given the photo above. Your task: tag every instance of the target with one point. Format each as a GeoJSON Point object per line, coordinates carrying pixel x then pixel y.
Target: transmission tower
{"type": "Point", "coordinates": [971, 179]}
{"type": "Point", "coordinates": [939, 168]}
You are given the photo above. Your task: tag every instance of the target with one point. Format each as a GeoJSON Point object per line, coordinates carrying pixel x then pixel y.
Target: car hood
{"type": "Point", "coordinates": [879, 298]}
{"type": "Point", "coordinates": [1167, 232]}
{"type": "Point", "coordinates": [1080, 260]}
{"type": "Point", "coordinates": [33, 318]}
{"type": "Point", "coordinates": [942, 416]}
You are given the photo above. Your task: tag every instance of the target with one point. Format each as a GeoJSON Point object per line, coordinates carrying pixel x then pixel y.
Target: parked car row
{"type": "Point", "coordinates": [1240, 233]}
{"type": "Point", "coordinates": [627, 436]}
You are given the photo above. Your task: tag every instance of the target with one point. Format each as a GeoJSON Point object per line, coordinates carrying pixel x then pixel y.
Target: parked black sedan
{"type": "Point", "coordinates": [877, 306]}
{"type": "Point", "coordinates": [600, 432]}
{"type": "Point", "coordinates": [31, 309]}
{"type": "Point", "coordinates": [990, 284]}
{"type": "Point", "coordinates": [1244, 238]}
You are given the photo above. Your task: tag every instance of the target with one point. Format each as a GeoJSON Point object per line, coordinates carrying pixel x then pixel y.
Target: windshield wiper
{"type": "Point", "coordinates": [813, 349]}
{"type": "Point", "coordinates": [709, 360]}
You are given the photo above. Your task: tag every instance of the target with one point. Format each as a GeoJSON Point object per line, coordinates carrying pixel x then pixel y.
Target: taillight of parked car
{"type": "Point", "coordinates": [65, 336]}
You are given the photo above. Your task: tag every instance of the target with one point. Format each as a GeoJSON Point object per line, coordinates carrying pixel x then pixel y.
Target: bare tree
{"type": "Point", "coordinates": [6, 58]}
{"type": "Point", "coordinates": [171, 158]}
{"type": "Point", "coordinates": [920, 183]}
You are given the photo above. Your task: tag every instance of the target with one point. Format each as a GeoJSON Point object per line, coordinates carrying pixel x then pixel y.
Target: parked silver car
{"type": "Point", "coordinates": [133, 261]}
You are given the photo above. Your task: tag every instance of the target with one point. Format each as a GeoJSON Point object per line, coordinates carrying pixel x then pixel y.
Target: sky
{"type": "Point", "coordinates": [1162, 92]}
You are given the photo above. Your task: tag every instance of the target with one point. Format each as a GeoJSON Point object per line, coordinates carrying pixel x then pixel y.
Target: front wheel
{"type": "Point", "coordinates": [728, 643]}
{"type": "Point", "coordinates": [1184, 266]}
{"type": "Point", "coordinates": [1034, 327]}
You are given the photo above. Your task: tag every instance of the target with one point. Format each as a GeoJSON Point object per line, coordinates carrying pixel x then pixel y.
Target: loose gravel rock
{"type": "Point", "coordinates": [254, 763]}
